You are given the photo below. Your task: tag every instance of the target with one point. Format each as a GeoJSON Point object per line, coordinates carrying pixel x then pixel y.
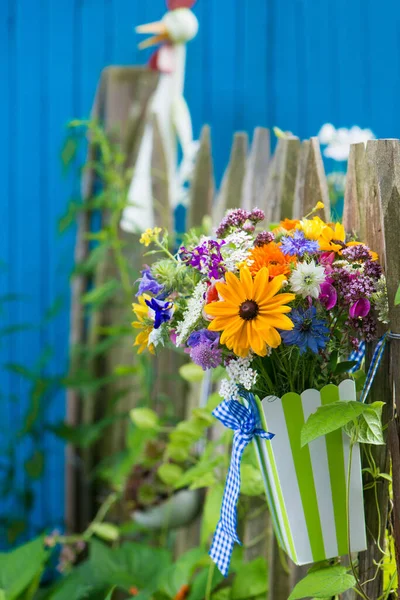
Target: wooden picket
{"type": "Point", "coordinates": [287, 184]}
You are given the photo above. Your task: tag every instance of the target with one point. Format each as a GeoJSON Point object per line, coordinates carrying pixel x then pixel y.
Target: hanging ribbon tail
{"type": "Point", "coordinates": [244, 421]}
{"type": "Point", "coordinates": [373, 367]}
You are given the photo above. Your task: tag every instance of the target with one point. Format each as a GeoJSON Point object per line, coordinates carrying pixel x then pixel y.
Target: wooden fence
{"type": "Point", "coordinates": [289, 184]}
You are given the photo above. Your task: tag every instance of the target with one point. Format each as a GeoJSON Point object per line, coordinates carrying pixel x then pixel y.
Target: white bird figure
{"type": "Point", "coordinates": [178, 26]}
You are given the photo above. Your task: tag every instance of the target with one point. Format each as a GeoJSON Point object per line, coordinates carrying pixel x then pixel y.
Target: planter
{"type": "Point", "coordinates": [179, 510]}
{"type": "Point", "coordinates": [306, 487]}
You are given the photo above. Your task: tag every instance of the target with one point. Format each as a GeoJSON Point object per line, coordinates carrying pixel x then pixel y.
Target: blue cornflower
{"type": "Point", "coordinates": [298, 245]}
{"type": "Point", "coordinates": [163, 311]}
{"type": "Point", "coordinates": [309, 331]}
{"type": "Point", "coordinates": [147, 283]}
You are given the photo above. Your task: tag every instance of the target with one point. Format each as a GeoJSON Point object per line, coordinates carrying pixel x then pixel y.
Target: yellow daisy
{"type": "Point", "coordinates": [312, 228]}
{"type": "Point", "coordinates": [332, 239]}
{"type": "Point", "coordinates": [251, 312]}
{"type": "Point", "coordinates": [141, 311]}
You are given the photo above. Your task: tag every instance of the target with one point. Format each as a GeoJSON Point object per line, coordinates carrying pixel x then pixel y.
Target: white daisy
{"type": "Point", "coordinates": [306, 279]}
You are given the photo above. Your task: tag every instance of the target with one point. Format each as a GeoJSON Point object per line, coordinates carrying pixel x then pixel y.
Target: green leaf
{"type": "Point", "coordinates": [397, 297]}
{"type": "Point", "coordinates": [170, 473]}
{"type": "Point", "coordinates": [251, 580]}
{"type": "Point", "coordinates": [180, 572]}
{"type": "Point", "coordinates": [144, 418]}
{"type": "Point", "coordinates": [106, 531]}
{"type": "Point", "coordinates": [323, 583]}
{"type": "Point", "coordinates": [251, 481]}
{"type": "Point", "coordinates": [211, 511]}
{"type": "Point", "coordinates": [110, 593]}
{"type": "Point", "coordinates": [34, 466]}
{"type": "Point", "coordinates": [359, 377]}
{"type": "Point", "coordinates": [20, 567]}
{"type": "Point", "coordinates": [368, 429]}
{"type": "Point", "coordinates": [99, 295]}
{"type": "Point", "coordinates": [191, 373]}
{"type": "Point", "coordinates": [344, 367]}
{"type": "Point", "coordinates": [84, 436]}
{"type": "Point", "coordinates": [199, 586]}
{"type": "Point", "coordinates": [204, 481]}
{"type": "Point", "coordinates": [330, 417]}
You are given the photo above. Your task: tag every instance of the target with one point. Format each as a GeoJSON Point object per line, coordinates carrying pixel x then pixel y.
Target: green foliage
{"type": "Point", "coordinates": [323, 583]}
{"type": "Point", "coordinates": [251, 580]}
{"type": "Point", "coordinates": [336, 415]}
{"type": "Point", "coordinates": [22, 567]}
{"type": "Point", "coordinates": [144, 418]}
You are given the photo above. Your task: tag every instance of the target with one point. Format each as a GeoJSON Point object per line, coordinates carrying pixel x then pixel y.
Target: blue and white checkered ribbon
{"type": "Point", "coordinates": [358, 357]}
{"type": "Point", "coordinates": [245, 423]}
{"type": "Point", "coordinates": [373, 367]}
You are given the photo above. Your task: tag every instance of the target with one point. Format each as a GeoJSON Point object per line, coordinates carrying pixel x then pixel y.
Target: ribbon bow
{"type": "Point", "coordinates": [244, 422]}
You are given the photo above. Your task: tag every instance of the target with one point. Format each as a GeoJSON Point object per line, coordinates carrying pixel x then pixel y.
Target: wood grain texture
{"type": "Point", "coordinates": [278, 194]}
{"type": "Point", "coordinates": [202, 184]}
{"type": "Point", "coordinates": [311, 183]}
{"type": "Point", "coordinates": [230, 194]}
{"type": "Point", "coordinates": [256, 169]}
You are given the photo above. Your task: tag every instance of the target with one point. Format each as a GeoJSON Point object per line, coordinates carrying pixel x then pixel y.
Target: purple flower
{"type": "Point", "coordinates": [357, 253]}
{"type": "Point", "coordinates": [206, 258]}
{"type": "Point", "coordinates": [352, 286]}
{"type": "Point", "coordinates": [264, 238]}
{"type": "Point", "coordinates": [206, 356]}
{"type": "Point", "coordinates": [360, 308]}
{"type": "Point", "coordinates": [147, 283]}
{"type": "Point", "coordinates": [372, 269]}
{"type": "Point", "coordinates": [365, 326]}
{"type": "Point", "coordinates": [163, 311]}
{"type": "Point", "coordinates": [328, 295]}
{"type": "Point", "coordinates": [203, 336]}
{"type": "Point", "coordinates": [256, 215]}
{"type": "Point", "coordinates": [298, 245]}
{"type": "Point", "coordinates": [239, 219]}
{"type": "Point", "coordinates": [309, 331]}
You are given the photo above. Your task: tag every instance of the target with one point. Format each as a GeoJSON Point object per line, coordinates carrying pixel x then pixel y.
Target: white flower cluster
{"type": "Point", "coordinates": [240, 373]}
{"type": "Point", "coordinates": [192, 313]}
{"type": "Point", "coordinates": [338, 141]}
{"type": "Point", "coordinates": [236, 249]}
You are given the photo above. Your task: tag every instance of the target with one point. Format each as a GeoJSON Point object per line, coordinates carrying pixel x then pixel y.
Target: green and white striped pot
{"type": "Point", "coordinates": [306, 487]}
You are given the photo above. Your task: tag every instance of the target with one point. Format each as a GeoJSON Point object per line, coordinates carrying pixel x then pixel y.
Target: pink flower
{"type": "Point", "coordinates": [328, 295]}
{"type": "Point", "coordinates": [360, 308]}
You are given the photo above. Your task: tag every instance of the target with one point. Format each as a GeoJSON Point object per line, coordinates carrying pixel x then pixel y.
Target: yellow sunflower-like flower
{"type": "Point", "coordinates": [141, 311]}
{"type": "Point", "coordinates": [312, 228]}
{"type": "Point", "coordinates": [251, 312]}
{"type": "Point", "coordinates": [332, 239]}
{"type": "Point", "coordinates": [150, 235]}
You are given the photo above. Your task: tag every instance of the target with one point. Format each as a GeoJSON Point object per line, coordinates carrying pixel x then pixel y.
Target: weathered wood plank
{"type": "Point", "coordinates": [363, 209]}
{"type": "Point", "coordinates": [160, 180]}
{"type": "Point", "coordinates": [278, 194]}
{"type": "Point", "coordinates": [353, 217]}
{"type": "Point", "coordinates": [311, 183]}
{"type": "Point", "coordinates": [230, 195]}
{"type": "Point", "coordinates": [256, 168]}
{"type": "Point", "coordinates": [388, 162]}
{"type": "Point", "coordinates": [202, 184]}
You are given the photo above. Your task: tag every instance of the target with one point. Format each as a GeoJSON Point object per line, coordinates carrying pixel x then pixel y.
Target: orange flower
{"type": "Point", "coordinates": [272, 257]}
{"type": "Point", "coordinates": [133, 591]}
{"type": "Point", "coordinates": [289, 224]}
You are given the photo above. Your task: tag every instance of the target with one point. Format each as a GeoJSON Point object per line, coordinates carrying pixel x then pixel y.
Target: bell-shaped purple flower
{"type": "Point", "coordinates": [360, 308]}
{"type": "Point", "coordinates": [147, 283]}
{"type": "Point", "coordinates": [328, 295]}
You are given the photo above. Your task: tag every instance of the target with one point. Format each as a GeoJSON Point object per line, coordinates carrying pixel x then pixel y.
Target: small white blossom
{"type": "Point", "coordinates": [157, 337]}
{"type": "Point", "coordinates": [239, 373]}
{"type": "Point", "coordinates": [236, 249]}
{"type": "Point", "coordinates": [306, 279]}
{"type": "Point", "coordinates": [192, 313]}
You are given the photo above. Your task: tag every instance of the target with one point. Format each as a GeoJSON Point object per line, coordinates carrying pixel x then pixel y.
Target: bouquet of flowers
{"type": "Point", "coordinates": [278, 309]}
{"type": "Point", "coordinates": [281, 309]}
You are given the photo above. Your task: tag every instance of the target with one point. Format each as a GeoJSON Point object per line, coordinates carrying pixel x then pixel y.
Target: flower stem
{"type": "Point", "coordinates": [209, 581]}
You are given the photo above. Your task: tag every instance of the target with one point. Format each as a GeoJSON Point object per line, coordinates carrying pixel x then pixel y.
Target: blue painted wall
{"type": "Point", "coordinates": [291, 63]}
